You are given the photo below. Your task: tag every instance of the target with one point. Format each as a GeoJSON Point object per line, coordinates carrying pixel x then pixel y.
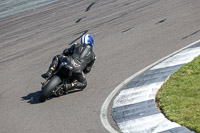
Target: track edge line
{"type": "Point", "coordinates": [104, 108]}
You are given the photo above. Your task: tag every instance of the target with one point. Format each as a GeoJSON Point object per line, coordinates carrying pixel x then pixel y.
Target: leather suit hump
{"type": "Point", "coordinates": [81, 57]}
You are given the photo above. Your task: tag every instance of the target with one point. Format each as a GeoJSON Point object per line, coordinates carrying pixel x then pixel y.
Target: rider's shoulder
{"type": "Point", "coordinates": [76, 44]}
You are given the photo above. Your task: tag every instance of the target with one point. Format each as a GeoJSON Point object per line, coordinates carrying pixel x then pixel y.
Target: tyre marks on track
{"type": "Point", "coordinates": [191, 34]}
{"type": "Point", "coordinates": [161, 21]}
{"type": "Point", "coordinates": [88, 8]}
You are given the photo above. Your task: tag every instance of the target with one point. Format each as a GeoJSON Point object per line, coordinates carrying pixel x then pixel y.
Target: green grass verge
{"type": "Point", "coordinates": [179, 97]}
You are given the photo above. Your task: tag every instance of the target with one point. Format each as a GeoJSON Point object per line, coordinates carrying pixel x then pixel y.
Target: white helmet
{"type": "Point", "coordinates": [87, 39]}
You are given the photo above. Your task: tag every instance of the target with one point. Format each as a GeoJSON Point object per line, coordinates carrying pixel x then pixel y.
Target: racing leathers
{"type": "Point", "coordinates": [81, 58]}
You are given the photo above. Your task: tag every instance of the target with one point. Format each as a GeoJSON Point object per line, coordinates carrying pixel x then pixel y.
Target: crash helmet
{"type": "Point", "coordinates": [87, 39]}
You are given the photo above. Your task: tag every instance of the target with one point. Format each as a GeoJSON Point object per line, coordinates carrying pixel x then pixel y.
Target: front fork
{"type": "Point", "coordinates": [46, 81]}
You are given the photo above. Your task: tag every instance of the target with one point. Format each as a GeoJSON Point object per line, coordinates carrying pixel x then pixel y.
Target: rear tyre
{"type": "Point", "coordinates": [47, 90]}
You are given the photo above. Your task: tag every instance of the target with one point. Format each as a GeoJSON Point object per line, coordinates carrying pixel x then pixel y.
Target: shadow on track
{"type": "Point", "coordinates": [33, 98]}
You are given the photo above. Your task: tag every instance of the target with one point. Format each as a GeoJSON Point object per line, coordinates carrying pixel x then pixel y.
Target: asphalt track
{"type": "Point", "coordinates": [129, 35]}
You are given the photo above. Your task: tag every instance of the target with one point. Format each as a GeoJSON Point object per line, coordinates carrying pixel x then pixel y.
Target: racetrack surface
{"type": "Point", "coordinates": [129, 35]}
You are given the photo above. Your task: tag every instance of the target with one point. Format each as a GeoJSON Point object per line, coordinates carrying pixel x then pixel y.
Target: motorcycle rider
{"type": "Point", "coordinates": [82, 60]}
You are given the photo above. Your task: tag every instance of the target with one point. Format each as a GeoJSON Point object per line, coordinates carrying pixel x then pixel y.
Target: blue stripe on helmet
{"type": "Point", "coordinates": [90, 40]}
{"type": "Point", "coordinates": [87, 39]}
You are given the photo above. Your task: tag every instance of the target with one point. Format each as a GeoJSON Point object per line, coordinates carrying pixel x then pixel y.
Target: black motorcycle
{"type": "Point", "coordinates": [55, 84]}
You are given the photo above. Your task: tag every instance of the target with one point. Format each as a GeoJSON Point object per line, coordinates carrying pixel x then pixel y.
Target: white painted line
{"type": "Point", "coordinates": [158, 122]}
{"type": "Point", "coordinates": [182, 58]}
{"type": "Point", "coordinates": [129, 96]}
{"type": "Point", "coordinates": [104, 108]}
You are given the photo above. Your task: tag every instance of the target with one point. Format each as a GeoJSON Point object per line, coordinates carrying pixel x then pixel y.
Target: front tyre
{"type": "Point", "coordinates": [47, 90]}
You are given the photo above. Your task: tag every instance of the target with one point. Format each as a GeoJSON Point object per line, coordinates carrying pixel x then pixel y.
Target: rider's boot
{"type": "Point", "coordinates": [70, 86]}
{"type": "Point", "coordinates": [51, 68]}
{"type": "Point", "coordinates": [48, 73]}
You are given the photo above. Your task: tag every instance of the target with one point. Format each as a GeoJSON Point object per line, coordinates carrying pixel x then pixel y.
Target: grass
{"type": "Point", "coordinates": [179, 97]}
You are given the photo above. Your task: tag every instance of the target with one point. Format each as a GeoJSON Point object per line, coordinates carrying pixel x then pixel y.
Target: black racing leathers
{"type": "Point", "coordinates": [82, 59]}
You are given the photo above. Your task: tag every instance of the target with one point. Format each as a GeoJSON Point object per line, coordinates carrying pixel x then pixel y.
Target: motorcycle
{"type": "Point", "coordinates": [55, 84]}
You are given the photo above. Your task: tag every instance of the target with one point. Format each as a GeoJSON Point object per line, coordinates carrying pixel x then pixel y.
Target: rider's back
{"type": "Point", "coordinates": [81, 57]}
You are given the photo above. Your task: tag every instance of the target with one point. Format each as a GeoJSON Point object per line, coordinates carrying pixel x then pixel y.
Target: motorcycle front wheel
{"type": "Point", "coordinates": [48, 88]}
